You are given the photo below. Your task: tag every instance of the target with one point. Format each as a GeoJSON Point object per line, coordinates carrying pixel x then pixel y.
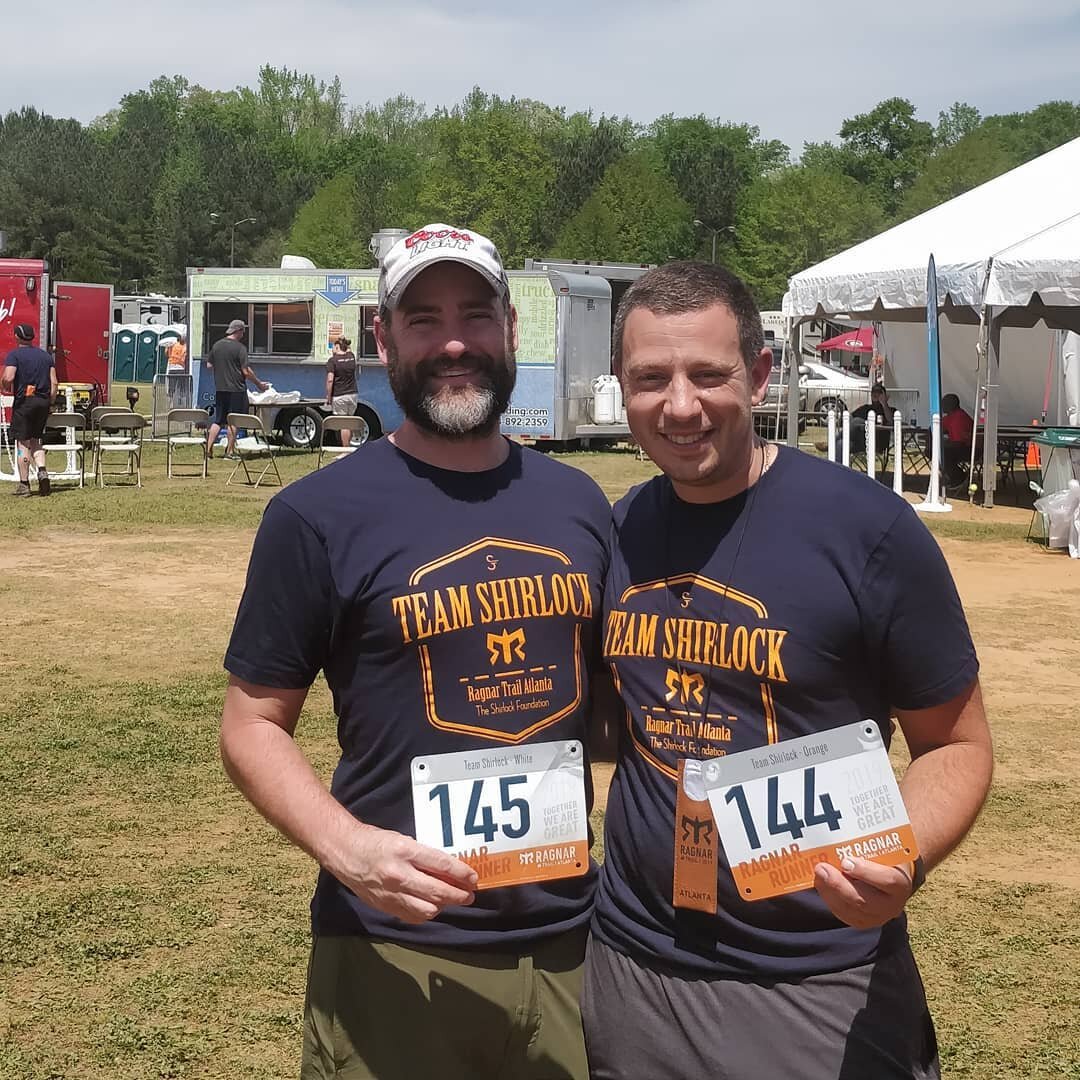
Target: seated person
{"type": "Point", "coordinates": [957, 430]}
{"type": "Point", "coordinates": [883, 418]}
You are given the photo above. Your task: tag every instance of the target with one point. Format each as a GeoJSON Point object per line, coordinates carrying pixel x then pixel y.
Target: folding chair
{"type": "Point", "coordinates": [97, 413]}
{"type": "Point", "coordinates": [129, 444]}
{"type": "Point", "coordinates": [355, 424]}
{"type": "Point", "coordinates": [257, 441]}
{"type": "Point", "coordinates": [188, 436]}
{"type": "Point", "coordinates": [65, 422]}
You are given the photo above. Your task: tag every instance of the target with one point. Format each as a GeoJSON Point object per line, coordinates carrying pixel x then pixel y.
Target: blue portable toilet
{"type": "Point", "coordinates": [146, 353]}
{"type": "Point", "coordinates": [123, 369]}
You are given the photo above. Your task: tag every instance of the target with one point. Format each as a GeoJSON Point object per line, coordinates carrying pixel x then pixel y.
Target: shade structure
{"type": "Point", "coordinates": [856, 341]}
{"type": "Point", "coordinates": [1006, 255]}
{"type": "Point", "coordinates": [1026, 219]}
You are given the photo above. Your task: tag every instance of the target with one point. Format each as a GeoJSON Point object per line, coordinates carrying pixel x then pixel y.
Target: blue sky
{"type": "Point", "coordinates": [796, 69]}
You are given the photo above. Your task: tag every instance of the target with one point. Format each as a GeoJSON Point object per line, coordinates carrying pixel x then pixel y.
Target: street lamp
{"type": "Point", "coordinates": [232, 234]}
{"type": "Point", "coordinates": [724, 228]}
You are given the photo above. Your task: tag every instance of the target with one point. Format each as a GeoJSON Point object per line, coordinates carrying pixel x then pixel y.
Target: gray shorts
{"type": "Point", "coordinates": [344, 405]}
{"type": "Point", "coordinates": [867, 1023]}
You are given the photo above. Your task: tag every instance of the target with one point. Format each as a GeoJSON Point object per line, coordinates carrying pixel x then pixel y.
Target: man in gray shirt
{"type": "Point", "coordinates": [228, 359]}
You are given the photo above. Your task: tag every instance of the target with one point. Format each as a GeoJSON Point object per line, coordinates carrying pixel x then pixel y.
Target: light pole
{"type": "Point", "coordinates": [232, 234]}
{"type": "Point", "coordinates": [725, 228]}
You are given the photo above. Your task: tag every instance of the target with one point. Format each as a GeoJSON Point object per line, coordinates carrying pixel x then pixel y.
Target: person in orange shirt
{"type": "Point", "coordinates": [957, 431]}
{"type": "Point", "coordinates": [177, 386]}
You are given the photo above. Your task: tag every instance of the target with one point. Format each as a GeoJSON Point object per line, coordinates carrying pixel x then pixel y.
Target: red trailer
{"type": "Point", "coordinates": [73, 321]}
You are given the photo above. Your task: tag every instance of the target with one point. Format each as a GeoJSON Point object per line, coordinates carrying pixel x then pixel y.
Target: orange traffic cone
{"type": "Point", "coordinates": [1032, 460]}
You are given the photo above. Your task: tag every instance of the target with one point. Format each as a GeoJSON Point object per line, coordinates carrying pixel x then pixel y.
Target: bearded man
{"type": "Point", "coordinates": [448, 584]}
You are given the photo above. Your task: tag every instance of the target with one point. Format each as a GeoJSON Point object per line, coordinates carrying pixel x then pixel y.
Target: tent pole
{"type": "Point", "coordinates": [990, 430]}
{"type": "Point", "coordinates": [793, 351]}
{"type": "Point", "coordinates": [980, 385]}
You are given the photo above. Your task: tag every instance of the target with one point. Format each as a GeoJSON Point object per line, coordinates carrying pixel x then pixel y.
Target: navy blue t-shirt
{"type": "Point", "coordinates": [814, 600]}
{"type": "Point", "coordinates": [32, 366]}
{"type": "Point", "coordinates": [399, 580]}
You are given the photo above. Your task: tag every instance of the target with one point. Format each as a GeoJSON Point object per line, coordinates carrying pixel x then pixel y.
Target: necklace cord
{"type": "Point", "coordinates": [669, 570]}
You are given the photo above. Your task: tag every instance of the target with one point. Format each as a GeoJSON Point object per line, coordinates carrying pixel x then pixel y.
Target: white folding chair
{"type": "Point", "coordinates": [255, 442]}
{"type": "Point", "coordinates": [187, 436]}
{"type": "Point", "coordinates": [127, 443]}
{"type": "Point", "coordinates": [97, 430]}
{"type": "Point", "coordinates": [353, 424]}
{"type": "Point", "coordinates": [65, 422]}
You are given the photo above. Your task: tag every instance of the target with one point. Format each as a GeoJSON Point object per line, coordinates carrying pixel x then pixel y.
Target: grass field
{"type": "Point", "coordinates": [152, 926]}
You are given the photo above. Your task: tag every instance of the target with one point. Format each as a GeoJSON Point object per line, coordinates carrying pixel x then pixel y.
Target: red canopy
{"type": "Point", "coordinates": [859, 341]}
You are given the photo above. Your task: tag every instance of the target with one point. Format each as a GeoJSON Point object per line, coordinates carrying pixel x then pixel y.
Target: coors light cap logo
{"type": "Point", "coordinates": [438, 243]}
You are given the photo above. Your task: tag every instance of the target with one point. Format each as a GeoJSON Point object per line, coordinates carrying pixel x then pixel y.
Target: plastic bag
{"type": "Point", "coordinates": [1060, 510]}
{"type": "Point", "coordinates": [270, 396]}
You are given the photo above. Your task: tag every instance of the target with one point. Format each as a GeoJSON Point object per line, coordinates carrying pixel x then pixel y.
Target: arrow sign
{"type": "Point", "coordinates": [337, 289]}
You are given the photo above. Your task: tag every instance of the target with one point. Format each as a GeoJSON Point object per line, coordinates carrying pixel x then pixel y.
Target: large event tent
{"type": "Point", "coordinates": [1007, 255]}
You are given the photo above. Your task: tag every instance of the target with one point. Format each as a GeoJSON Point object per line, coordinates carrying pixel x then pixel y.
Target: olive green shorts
{"type": "Point", "coordinates": [377, 1010]}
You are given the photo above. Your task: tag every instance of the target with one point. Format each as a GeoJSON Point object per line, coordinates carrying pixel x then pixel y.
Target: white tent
{"type": "Point", "coordinates": [1007, 254]}
{"type": "Point", "coordinates": [1043, 267]}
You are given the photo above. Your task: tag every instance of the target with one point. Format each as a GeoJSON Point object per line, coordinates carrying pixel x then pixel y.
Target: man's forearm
{"type": "Point", "coordinates": [270, 770]}
{"type": "Point", "coordinates": [944, 790]}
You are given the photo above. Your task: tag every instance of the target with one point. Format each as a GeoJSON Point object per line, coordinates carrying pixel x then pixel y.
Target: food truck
{"type": "Point", "coordinates": [294, 314]}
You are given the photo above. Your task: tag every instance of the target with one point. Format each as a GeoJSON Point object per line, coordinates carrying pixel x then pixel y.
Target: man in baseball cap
{"type": "Point", "coordinates": [29, 374]}
{"type": "Point", "coordinates": [447, 582]}
{"type": "Point", "coordinates": [228, 359]}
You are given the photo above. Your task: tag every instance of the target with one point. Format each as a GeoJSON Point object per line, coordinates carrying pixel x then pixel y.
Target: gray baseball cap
{"type": "Point", "coordinates": [236, 324]}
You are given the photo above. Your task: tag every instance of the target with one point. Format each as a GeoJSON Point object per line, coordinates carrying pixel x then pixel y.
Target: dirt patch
{"type": "Point", "coordinates": [151, 606]}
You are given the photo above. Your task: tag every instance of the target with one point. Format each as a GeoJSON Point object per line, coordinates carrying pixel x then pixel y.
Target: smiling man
{"type": "Point", "coordinates": [758, 595]}
{"type": "Point", "coordinates": [448, 584]}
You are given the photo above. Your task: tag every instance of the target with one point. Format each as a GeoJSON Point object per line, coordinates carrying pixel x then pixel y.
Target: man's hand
{"type": "Point", "coordinates": [864, 893]}
{"type": "Point", "coordinates": [398, 876]}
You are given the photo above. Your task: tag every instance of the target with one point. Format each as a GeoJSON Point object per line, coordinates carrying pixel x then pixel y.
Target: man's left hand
{"type": "Point", "coordinates": [863, 894]}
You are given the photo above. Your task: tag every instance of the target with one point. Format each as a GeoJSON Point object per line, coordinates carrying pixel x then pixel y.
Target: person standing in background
{"type": "Point", "coordinates": [30, 375]}
{"type": "Point", "coordinates": [176, 369]}
{"type": "Point", "coordinates": [341, 390]}
{"type": "Point", "coordinates": [228, 359]}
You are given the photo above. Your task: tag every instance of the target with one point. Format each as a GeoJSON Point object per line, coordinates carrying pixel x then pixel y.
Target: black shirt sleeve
{"type": "Point", "coordinates": [285, 619]}
{"type": "Point", "coordinates": [913, 620]}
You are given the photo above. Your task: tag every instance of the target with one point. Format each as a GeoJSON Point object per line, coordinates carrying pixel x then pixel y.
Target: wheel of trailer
{"type": "Point", "coordinates": [372, 429]}
{"type": "Point", "coordinates": [301, 428]}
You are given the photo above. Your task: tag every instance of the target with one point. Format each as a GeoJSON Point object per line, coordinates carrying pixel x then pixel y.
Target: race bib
{"type": "Point", "coordinates": [782, 809]}
{"type": "Point", "coordinates": [514, 815]}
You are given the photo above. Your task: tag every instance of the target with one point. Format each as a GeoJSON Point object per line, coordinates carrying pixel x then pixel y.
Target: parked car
{"type": "Point", "coordinates": [770, 417]}
{"type": "Point", "coordinates": [829, 387]}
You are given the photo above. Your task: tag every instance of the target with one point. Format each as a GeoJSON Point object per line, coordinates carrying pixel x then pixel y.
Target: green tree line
{"type": "Point", "coordinates": [155, 185]}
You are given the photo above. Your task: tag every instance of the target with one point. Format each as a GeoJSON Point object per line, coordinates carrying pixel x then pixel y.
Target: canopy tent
{"type": "Point", "coordinates": [1044, 267]}
{"type": "Point", "coordinates": [856, 341]}
{"type": "Point", "coordinates": [884, 278]}
{"type": "Point", "coordinates": [1007, 254]}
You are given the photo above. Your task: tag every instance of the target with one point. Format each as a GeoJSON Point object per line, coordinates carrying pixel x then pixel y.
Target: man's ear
{"type": "Point", "coordinates": [759, 375]}
{"type": "Point", "coordinates": [382, 332]}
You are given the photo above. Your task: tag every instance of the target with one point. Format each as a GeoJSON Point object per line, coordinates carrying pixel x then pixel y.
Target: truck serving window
{"type": "Point", "coordinates": [290, 329]}
{"type": "Point", "coordinates": [273, 329]}
{"type": "Point", "coordinates": [368, 349]}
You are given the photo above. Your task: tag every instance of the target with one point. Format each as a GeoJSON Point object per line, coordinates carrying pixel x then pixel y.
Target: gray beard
{"type": "Point", "coordinates": [457, 414]}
